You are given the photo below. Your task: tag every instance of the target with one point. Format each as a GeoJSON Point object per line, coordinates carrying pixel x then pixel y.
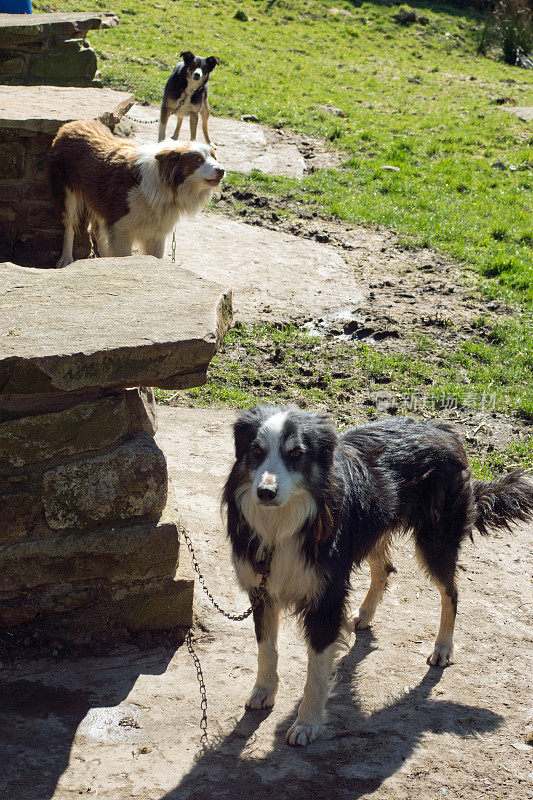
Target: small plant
{"type": "Point", "coordinates": [509, 25]}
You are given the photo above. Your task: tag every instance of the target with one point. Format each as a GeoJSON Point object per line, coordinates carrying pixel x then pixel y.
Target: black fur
{"type": "Point", "coordinates": [367, 482]}
{"type": "Point", "coordinates": [177, 83]}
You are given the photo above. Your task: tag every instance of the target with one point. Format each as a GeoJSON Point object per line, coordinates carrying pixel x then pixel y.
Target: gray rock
{"type": "Point", "coordinates": [125, 554]}
{"type": "Point", "coordinates": [43, 109]}
{"type": "Point", "coordinates": [21, 28]}
{"type": "Point", "coordinates": [97, 606]}
{"type": "Point", "coordinates": [131, 481]}
{"type": "Point", "coordinates": [110, 322]}
{"type": "Point", "coordinates": [88, 426]}
{"type": "Point", "coordinates": [337, 112]}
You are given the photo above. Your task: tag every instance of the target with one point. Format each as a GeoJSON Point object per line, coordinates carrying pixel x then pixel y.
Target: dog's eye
{"type": "Point", "coordinates": [257, 451]}
{"type": "Point", "coordinates": [296, 452]}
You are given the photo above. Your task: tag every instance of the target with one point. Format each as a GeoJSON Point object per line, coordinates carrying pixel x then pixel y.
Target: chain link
{"type": "Point", "coordinates": [174, 246]}
{"type": "Point", "coordinates": [235, 617]}
{"type": "Point", "coordinates": [191, 641]}
{"type": "Point", "coordinates": [142, 121]}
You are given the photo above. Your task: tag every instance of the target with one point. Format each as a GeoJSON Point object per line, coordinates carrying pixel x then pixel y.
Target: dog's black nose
{"type": "Point", "coordinates": [266, 494]}
{"type": "Point", "coordinates": [220, 172]}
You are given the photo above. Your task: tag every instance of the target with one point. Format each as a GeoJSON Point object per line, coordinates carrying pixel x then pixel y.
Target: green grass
{"type": "Point", "coordinates": [418, 98]}
{"type": "Point", "coordinates": [281, 364]}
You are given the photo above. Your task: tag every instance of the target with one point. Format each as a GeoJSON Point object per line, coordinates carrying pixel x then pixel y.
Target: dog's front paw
{"type": "Point", "coordinates": [261, 697]}
{"type": "Point", "coordinates": [441, 656]}
{"type": "Point", "coordinates": [64, 261]}
{"type": "Point", "coordinates": [302, 734]}
{"type": "Point", "coordinates": [361, 621]}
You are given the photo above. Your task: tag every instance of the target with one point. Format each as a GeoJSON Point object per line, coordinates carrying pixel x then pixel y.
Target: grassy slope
{"type": "Point", "coordinates": [416, 97]}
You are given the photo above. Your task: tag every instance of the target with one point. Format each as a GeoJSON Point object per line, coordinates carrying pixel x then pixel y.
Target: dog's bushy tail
{"type": "Point", "coordinates": [502, 502]}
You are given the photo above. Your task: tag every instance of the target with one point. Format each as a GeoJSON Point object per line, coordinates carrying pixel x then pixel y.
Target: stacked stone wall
{"type": "Point", "coordinates": [31, 232]}
{"type": "Point", "coordinates": [49, 49]}
{"type": "Point", "coordinates": [83, 527]}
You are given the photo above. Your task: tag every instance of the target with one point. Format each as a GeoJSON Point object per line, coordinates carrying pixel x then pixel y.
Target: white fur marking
{"type": "Point", "coordinates": [311, 711]}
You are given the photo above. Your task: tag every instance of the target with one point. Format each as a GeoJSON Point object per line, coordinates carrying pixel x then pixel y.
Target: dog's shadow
{"type": "Point", "coordinates": [357, 754]}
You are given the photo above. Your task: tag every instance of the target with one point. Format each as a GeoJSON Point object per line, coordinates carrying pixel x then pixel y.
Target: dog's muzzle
{"type": "Point", "coordinates": [197, 75]}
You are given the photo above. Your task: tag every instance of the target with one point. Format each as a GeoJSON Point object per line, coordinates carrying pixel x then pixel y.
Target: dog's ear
{"type": "Point", "coordinates": [176, 165]}
{"type": "Point", "coordinates": [212, 62]}
{"type": "Point", "coordinates": [245, 429]}
{"type": "Point", "coordinates": [187, 56]}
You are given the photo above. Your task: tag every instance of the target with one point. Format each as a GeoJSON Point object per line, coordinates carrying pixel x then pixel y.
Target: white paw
{"type": "Point", "coordinates": [361, 621]}
{"type": "Point", "coordinates": [441, 656]}
{"type": "Point", "coordinates": [301, 735]}
{"type": "Point", "coordinates": [261, 697]}
{"type": "Point", "coordinates": [64, 261]}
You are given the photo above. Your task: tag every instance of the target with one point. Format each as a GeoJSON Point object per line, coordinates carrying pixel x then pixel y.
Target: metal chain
{"type": "Point", "coordinates": [191, 641]}
{"type": "Point", "coordinates": [142, 121]}
{"type": "Point", "coordinates": [235, 617]}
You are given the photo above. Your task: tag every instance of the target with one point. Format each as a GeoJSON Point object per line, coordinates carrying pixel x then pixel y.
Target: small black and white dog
{"type": "Point", "coordinates": [306, 505]}
{"type": "Point", "coordinates": [185, 94]}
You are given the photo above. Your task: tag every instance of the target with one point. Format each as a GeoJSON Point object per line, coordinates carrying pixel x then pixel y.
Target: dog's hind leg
{"type": "Point", "coordinates": [193, 123]}
{"type": "Point", "coordinates": [442, 654]}
{"type": "Point", "coordinates": [266, 620]}
{"type": "Point", "coordinates": [437, 550]}
{"type": "Point", "coordinates": [71, 215]}
{"type": "Point", "coordinates": [381, 567]}
{"type": "Point", "coordinates": [164, 114]}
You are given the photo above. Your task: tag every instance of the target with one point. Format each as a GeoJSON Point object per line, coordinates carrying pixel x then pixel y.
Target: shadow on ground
{"type": "Point", "coordinates": [38, 721]}
{"type": "Point", "coordinates": [357, 754]}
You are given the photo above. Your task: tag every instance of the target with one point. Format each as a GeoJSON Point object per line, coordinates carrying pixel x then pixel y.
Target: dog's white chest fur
{"type": "Point", "coordinates": [291, 581]}
{"type": "Point", "coordinates": [186, 106]}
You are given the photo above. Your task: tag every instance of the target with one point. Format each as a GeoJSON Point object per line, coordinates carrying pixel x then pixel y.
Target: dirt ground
{"type": "Point", "coordinates": [126, 726]}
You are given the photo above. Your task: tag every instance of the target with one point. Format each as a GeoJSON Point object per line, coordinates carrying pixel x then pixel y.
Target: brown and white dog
{"type": "Point", "coordinates": [127, 193]}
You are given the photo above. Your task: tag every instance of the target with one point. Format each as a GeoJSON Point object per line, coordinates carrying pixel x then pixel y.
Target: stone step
{"type": "Point", "coordinates": [108, 322]}
{"type": "Point", "coordinates": [117, 554]}
{"type": "Point", "coordinates": [100, 609]}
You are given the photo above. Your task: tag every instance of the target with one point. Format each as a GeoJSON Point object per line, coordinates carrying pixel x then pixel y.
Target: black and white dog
{"type": "Point", "coordinates": [306, 505]}
{"type": "Point", "coordinates": [185, 94]}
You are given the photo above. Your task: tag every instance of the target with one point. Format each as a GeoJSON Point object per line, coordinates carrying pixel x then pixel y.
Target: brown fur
{"type": "Point", "coordinates": [124, 190]}
{"type": "Point", "coordinates": [91, 157]}
{"type": "Point", "coordinates": [175, 169]}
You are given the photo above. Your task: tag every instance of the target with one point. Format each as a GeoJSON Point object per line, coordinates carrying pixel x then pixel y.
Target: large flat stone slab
{"type": "Point", "coordinates": [271, 273]}
{"type": "Point", "coordinates": [111, 322]}
{"type": "Point", "coordinates": [25, 28]}
{"type": "Point", "coordinates": [43, 109]}
{"type": "Point", "coordinates": [241, 146]}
